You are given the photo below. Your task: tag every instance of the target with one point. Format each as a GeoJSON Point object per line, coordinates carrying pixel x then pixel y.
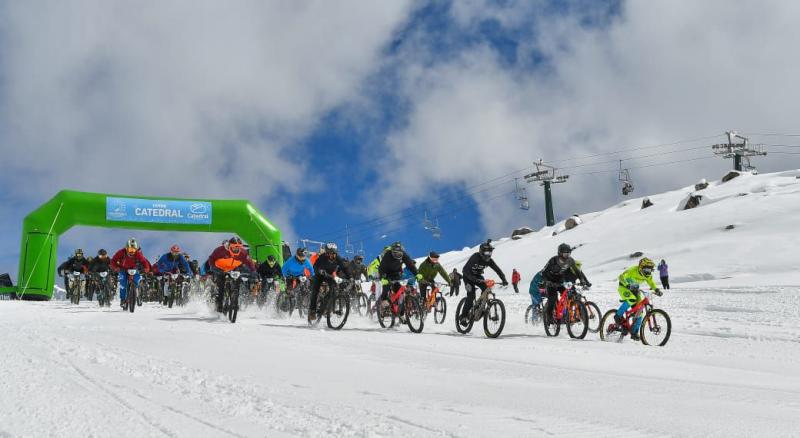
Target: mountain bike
{"type": "Point", "coordinates": [77, 283]}
{"type": "Point", "coordinates": [335, 305]}
{"type": "Point", "coordinates": [269, 287]}
{"type": "Point", "coordinates": [100, 280]}
{"type": "Point", "coordinates": [358, 299]}
{"type": "Point", "coordinates": [435, 303]}
{"type": "Point", "coordinates": [570, 311]}
{"type": "Point", "coordinates": [235, 285]}
{"type": "Point", "coordinates": [655, 329]}
{"type": "Point", "coordinates": [175, 289]}
{"type": "Point", "coordinates": [130, 299]}
{"type": "Point", "coordinates": [286, 301]}
{"type": "Point", "coordinates": [488, 307]}
{"type": "Point", "coordinates": [400, 306]}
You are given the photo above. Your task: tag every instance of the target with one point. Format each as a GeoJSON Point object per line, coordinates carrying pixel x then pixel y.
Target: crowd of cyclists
{"type": "Point", "coordinates": [393, 271]}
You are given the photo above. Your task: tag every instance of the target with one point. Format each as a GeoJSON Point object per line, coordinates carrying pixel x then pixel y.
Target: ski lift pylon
{"type": "Point", "coordinates": [625, 179]}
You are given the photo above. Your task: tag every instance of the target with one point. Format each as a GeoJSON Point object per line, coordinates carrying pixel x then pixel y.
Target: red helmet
{"type": "Point", "coordinates": [175, 249]}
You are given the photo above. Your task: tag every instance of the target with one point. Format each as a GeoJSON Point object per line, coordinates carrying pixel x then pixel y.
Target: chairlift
{"type": "Point", "coordinates": [436, 232]}
{"type": "Point", "coordinates": [625, 179]}
{"type": "Point", "coordinates": [427, 223]}
{"type": "Point", "coordinates": [522, 196]}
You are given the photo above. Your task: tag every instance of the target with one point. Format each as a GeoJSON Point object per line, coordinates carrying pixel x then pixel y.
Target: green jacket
{"type": "Point", "coordinates": [632, 275]}
{"type": "Point", "coordinates": [428, 270]}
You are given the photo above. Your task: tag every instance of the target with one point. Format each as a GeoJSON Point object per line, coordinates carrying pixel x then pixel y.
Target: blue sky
{"type": "Point", "coordinates": [367, 115]}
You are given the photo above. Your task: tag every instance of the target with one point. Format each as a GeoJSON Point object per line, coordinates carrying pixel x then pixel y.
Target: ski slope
{"type": "Point", "coordinates": [731, 368]}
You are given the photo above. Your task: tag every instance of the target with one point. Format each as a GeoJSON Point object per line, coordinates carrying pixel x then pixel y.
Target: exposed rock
{"type": "Point", "coordinates": [730, 227]}
{"type": "Point", "coordinates": [702, 184]}
{"type": "Point", "coordinates": [573, 222]}
{"type": "Point", "coordinates": [730, 175]}
{"type": "Point", "coordinates": [636, 255]}
{"type": "Point", "coordinates": [692, 202]}
{"type": "Point", "coordinates": [555, 233]}
{"type": "Point", "coordinates": [646, 202]}
{"type": "Point", "coordinates": [519, 232]}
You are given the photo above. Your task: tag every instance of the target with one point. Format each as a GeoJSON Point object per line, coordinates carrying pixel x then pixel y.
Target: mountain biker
{"type": "Point", "coordinates": [536, 289]}
{"type": "Point", "coordinates": [225, 259]}
{"type": "Point", "coordinates": [76, 263]}
{"type": "Point", "coordinates": [428, 269]}
{"type": "Point", "coordinates": [329, 264]}
{"type": "Point", "coordinates": [129, 257]}
{"type": "Point", "coordinates": [630, 294]}
{"type": "Point", "coordinates": [270, 268]}
{"type": "Point", "coordinates": [174, 262]}
{"type": "Point", "coordinates": [296, 267]}
{"type": "Point", "coordinates": [101, 263]}
{"type": "Point", "coordinates": [559, 269]}
{"type": "Point", "coordinates": [372, 269]}
{"type": "Point", "coordinates": [473, 276]}
{"type": "Point", "coordinates": [193, 265]}
{"type": "Point", "coordinates": [391, 269]}
{"type": "Point", "coordinates": [357, 268]}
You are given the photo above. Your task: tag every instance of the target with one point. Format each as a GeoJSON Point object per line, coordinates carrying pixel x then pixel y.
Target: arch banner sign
{"type": "Point", "coordinates": [158, 211]}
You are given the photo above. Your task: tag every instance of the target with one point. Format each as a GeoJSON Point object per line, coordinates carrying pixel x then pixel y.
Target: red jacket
{"type": "Point", "coordinates": [122, 261]}
{"type": "Point", "coordinates": [225, 260]}
{"type": "Point", "coordinates": [515, 277]}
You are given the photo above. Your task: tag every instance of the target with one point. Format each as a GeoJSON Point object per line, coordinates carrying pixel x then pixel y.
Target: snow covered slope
{"type": "Point", "coordinates": [761, 249]}
{"type": "Point", "coordinates": [731, 368]}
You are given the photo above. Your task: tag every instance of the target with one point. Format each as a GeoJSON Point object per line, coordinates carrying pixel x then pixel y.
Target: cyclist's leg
{"type": "Point", "coordinates": [552, 298]}
{"type": "Point", "coordinates": [123, 286]}
{"type": "Point", "coordinates": [638, 322]}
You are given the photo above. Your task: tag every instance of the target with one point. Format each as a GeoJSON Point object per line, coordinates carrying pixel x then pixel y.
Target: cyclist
{"type": "Point", "coordinates": [357, 268]}
{"type": "Point", "coordinates": [428, 269]}
{"type": "Point", "coordinates": [270, 268]}
{"type": "Point", "coordinates": [296, 267]}
{"type": "Point", "coordinates": [536, 289]}
{"type": "Point", "coordinates": [174, 262]}
{"type": "Point", "coordinates": [559, 269]}
{"type": "Point", "coordinates": [226, 258]}
{"type": "Point", "coordinates": [101, 263]}
{"type": "Point", "coordinates": [129, 257]}
{"type": "Point", "coordinates": [391, 269]}
{"type": "Point", "coordinates": [329, 264]}
{"type": "Point", "coordinates": [630, 294]}
{"type": "Point", "coordinates": [473, 276]}
{"type": "Point", "coordinates": [372, 269]}
{"type": "Point", "coordinates": [76, 263]}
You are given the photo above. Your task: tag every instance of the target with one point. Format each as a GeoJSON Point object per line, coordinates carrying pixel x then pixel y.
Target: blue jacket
{"type": "Point", "coordinates": [167, 265]}
{"type": "Point", "coordinates": [293, 268]}
{"type": "Point", "coordinates": [536, 283]}
{"type": "Point", "coordinates": [408, 275]}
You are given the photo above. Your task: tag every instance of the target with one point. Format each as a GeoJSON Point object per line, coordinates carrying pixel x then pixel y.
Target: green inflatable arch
{"type": "Point", "coordinates": [42, 228]}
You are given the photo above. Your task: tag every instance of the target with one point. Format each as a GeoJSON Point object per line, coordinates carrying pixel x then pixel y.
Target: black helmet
{"type": "Point", "coordinates": [331, 248]}
{"type": "Point", "coordinates": [102, 252]}
{"type": "Point", "coordinates": [564, 248]}
{"type": "Point", "coordinates": [433, 255]}
{"type": "Point", "coordinates": [486, 250]}
{"type": "Point", "coordinates": [301, 252]}
{"type": "Point", "coordinates": [270, 258]}
{"type": "Point", "coordinates": [397, 250]}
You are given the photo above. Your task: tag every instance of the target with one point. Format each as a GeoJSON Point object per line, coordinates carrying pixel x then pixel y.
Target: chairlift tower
{"type": "Point", "coordinates": [546, 175]}
{"type": "Point", "coordinates": [348, 247]}
{"type": "Point", "coordinates": [739, 151]}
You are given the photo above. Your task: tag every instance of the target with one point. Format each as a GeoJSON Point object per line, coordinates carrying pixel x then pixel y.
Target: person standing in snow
{"type": "Point", "coordinates": [663, 271]}
{"type": "Point", "coordinates": [455, 279]}
{"type": "Point", "coordinates": [515, 278]}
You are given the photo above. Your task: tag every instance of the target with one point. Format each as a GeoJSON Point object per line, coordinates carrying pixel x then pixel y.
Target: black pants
{"type": "Point", "coordinates": [552, 298]}
{"type": "Point", "coordinates": [470, 288]}
{"type": "Point", "coordinates": [423, 291]}
{"type": "Point", "coordinates": [516, 287]}
{"type": "Point", "coordinates": [665, 282]}
{"type": "Point", "coordinates": [454, 289]}
{"type": "Point", "coordinates": [219, 280]}
{"type": "Point", "coordinates": [318, 280]}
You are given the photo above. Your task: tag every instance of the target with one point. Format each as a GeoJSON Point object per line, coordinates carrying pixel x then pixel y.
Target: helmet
{"type": "Point", "coordinates": [433, 255]}
{"type": "Point", "coordinates": [102, 252]}
{"type": "Point", "coordinates": [78, 252]}
{"type": "Point", "coordinates": [330, 247]}
{"type": "Point", "coordinates": [564, 248]}
{"type": "Point", "coordinates": [235, 245]}
{"type": "Point", "coordinates": [175, 249]}
{"type": "Point", "coordinates": [132, 243]}
{"type": "Point", "coordinates": [646, 266]}
{"type": "Point", "coordinates": [186, 256]}
{"type": "Point", "coordinates": [271, 260]}
{"type": "Point", "coordinates": [358, 258]}
{"type": "Point", "coordinates": [578, 264]}
{"type": "Point", "coordinates": [486, 250]}
{"type": "Point", "coordinates": [397, 250]}
{"type": "Point", "coordinates": [300, 253]}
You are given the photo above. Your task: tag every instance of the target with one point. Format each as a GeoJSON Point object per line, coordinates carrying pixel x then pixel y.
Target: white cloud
{"type": "Point", "coordinates": [182, 98]}
{"type": "Point", "coordinates": [662, 71]}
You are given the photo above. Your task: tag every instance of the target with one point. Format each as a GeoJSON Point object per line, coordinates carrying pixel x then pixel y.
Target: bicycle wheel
{"type": "Point", "coordinates": [439, 309]}
{"type": "Point", "coordinates": [609, 331]}
{"type": "Point", "coordinates": [463, 329]}
{"type": "Point", "coordinates": [363, 304]}
{"type": "Point", "coordinates": [385, 314]}
{"type": "Point", "coordinates": [577, 321]}
{"type": "Point", "coordinates": [415, 318]}
{"type": "Point", "coordinates": [593, 316]}
{"type": "Point", "coordinates": [656, 328]}
{"type": "Point", "coordinates": [371, 306]}
{"type": "Point", "coordinates": [131, 297]}
{"type": "Point", "coordinates": [339, 311]}
{"type": "Point", "coordinates": [495, 318]}
{"type": "Point", "coordinates": [552, 326]}
{"type": "Point", "coordinates": [233, 307]}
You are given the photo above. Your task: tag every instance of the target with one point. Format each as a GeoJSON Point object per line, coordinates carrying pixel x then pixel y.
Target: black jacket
{"type": "Point", "coordinates": [74, 264]}
{"type": "Point", "coordinates": [330, 267]}
{"type": "Point", "coordinates": [455, 277]}
{"type": "Point", "coordinates": [99, 265]}
{"type": "Point", "coordinates": [557, 271]}
{"type": "Point", "coordinates": [270, 272]}
{"type": "Point", "coordinates": [473, 270]}
{"type": "Point", "coordinates": [356, 270]}
{"type": "Point", "coordinates": [392, 269]}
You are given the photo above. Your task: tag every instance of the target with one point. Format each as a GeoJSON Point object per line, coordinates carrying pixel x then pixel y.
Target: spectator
{"type": "Point", "coordinates": [663, 271]}
{"type": "Point", "coordinates": [455, 279]}
{"type": "Point", "coordinates": [515, 278]}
